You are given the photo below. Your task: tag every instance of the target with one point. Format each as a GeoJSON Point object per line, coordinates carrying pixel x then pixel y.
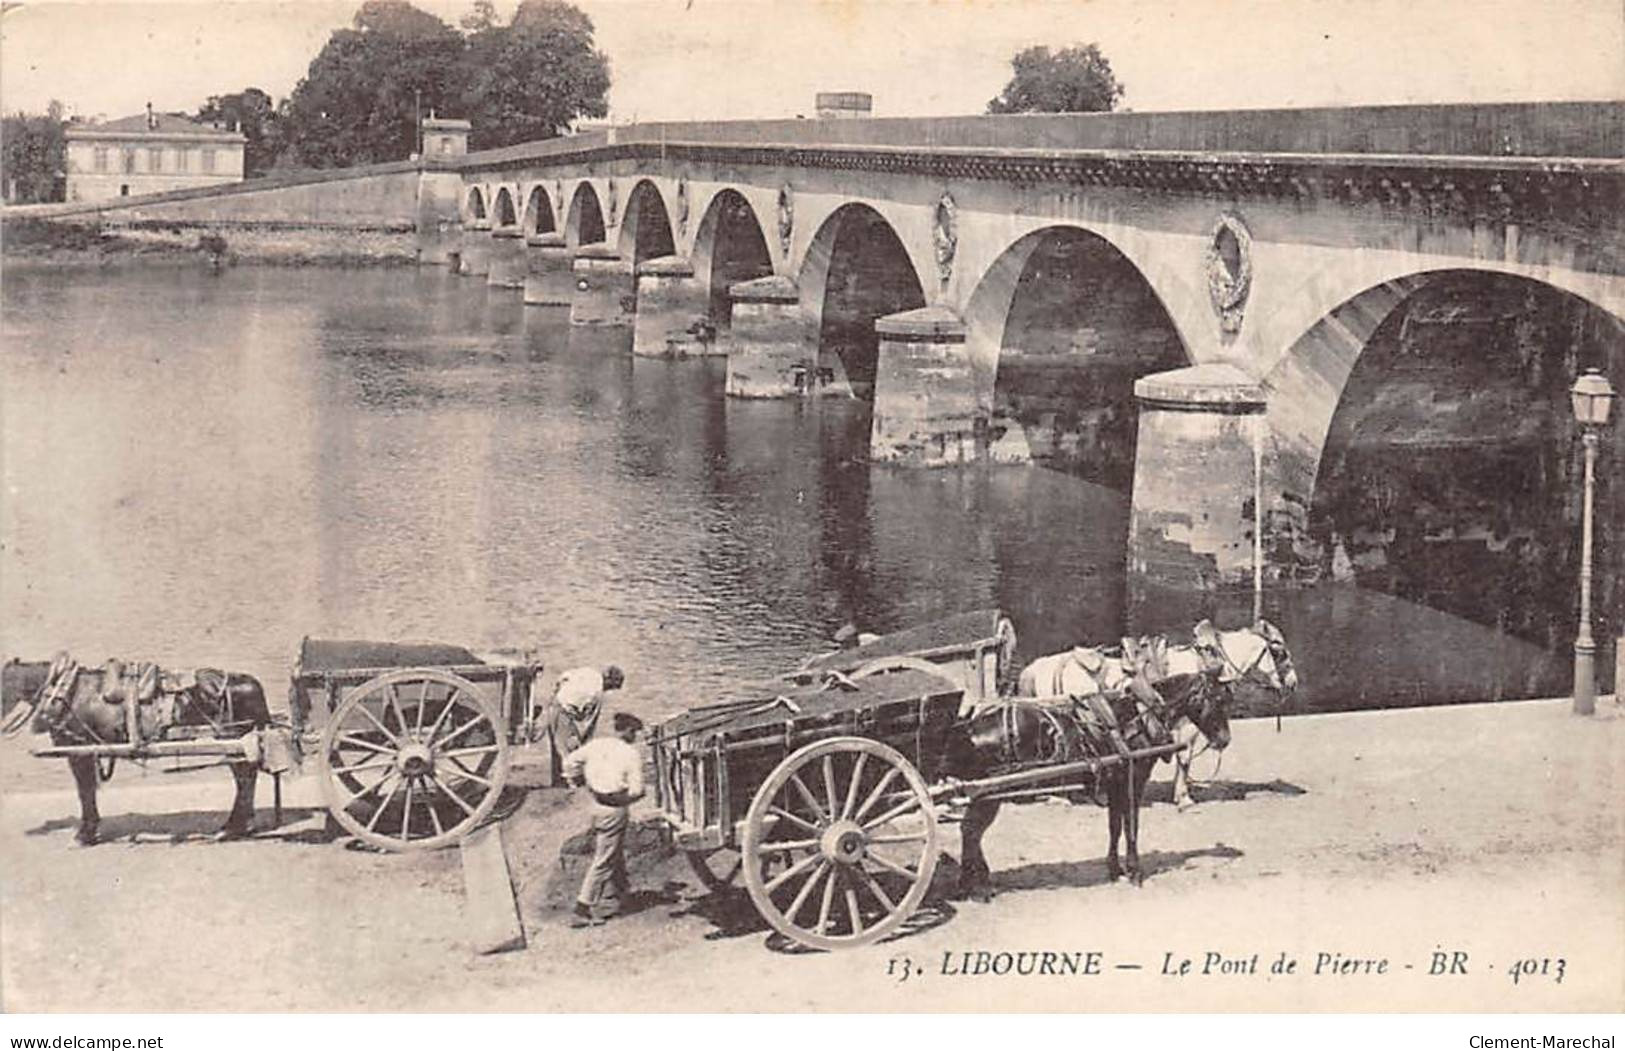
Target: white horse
{"type": "Point", "coordinates": [1255, 656]}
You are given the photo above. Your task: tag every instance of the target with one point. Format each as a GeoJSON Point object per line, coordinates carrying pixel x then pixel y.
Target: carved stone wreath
{"type": "Point", "coordinates": [945, 237]}
{"type": "Point", "coordinates": [682, 206]}
{"type": "Point", "coordinates": [1229, 270]}
{"type": "Point", "coordinates": [612, 193]}
{"type": "Point", "coordinates": [787, 217]}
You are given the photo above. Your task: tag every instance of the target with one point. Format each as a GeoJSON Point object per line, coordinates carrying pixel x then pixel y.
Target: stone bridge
{"type": "Point", "coordinates": [1346, 333]}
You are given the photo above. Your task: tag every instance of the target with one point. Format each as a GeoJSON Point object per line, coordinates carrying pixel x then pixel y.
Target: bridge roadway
{"type": "Point", "coordinates": [1171, 303]}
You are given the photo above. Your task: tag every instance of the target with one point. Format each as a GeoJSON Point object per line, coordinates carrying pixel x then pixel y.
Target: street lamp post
{"type": "Point", "coordinates": [1593, 397]}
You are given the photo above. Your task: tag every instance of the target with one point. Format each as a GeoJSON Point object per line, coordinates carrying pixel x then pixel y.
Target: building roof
{"type": "Point", "coordinates": [167, 126]}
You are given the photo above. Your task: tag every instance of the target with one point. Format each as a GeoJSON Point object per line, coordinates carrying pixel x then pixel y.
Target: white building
{"type": "Point", "coordinates": [149, 153]}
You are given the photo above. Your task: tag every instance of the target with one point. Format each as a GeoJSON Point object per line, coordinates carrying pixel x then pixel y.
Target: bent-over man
{"type": "Point", "coordinates": [612, 770]}
{"type": "Point", "coordinates": [570, 718]}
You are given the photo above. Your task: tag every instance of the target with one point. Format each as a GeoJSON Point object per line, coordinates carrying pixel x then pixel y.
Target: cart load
{"type": "Point", "coordinates": [975, 649]}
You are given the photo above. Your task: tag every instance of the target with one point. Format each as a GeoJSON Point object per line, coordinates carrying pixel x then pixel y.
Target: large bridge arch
{"type": "Point", "coordinates": [855, 270]}
{"type": "Point", "coordinates": [584, 222]}
{"type": "Point", "coordinates": [1424, 447]}
{"type": "Point", "coordinates": [1058, 328]}
{"type": "Point", "coordinates": [1327, 281]}
{"type": "Point", "coordinates": [730, 246]}
{"type": "Point", "coordinates": [646, 228]}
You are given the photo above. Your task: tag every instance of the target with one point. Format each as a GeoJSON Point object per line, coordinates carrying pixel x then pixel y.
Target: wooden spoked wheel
{"type": "Point", "coordinates": [850, 826]}
{"type": "Point", "coordinates": [413, 759]}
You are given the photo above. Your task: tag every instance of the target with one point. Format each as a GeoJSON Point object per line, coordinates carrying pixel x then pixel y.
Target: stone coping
{"type": "Point", "coordinates": [600, 250]}
{"type": "Point", "coordinates": [929, 321]}
{"type": "Point", "coordinates": [773, 289]}
{"type": "Point", "coordinates": [507, 231]}
{"type": "Point", "coordinates": [1217, 384]}
{"type": "Point", "coordinates": [667, 266]}
{"type": "Point", "coordinates": [477, 224]}
{"type": "Point", "coordinates": [551, 239]}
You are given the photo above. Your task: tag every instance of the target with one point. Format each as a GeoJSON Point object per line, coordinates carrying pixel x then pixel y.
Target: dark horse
{"type": "Point", "coordinates": [90, 706]}
{"type": "Point", "coordinates": [1096, 700]}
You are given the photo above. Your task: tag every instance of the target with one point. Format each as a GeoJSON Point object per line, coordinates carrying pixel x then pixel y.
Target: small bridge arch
{"type": "Point", "coordinates": [539, 212]}
{"type": "Point", "coordinates": [646, 229]}
{"type": "Point", "coordinates": [584, 222]}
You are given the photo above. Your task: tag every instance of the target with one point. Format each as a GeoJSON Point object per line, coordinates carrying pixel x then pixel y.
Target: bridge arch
{"type": "Point", "coordinates": [474, 203]}
{"type": "Point", "coordinates": [730, 246]}
{"type": "Point", "coordinates": [856, 270]}
{"type": "Point", "coordinates": [539, 212]}
{"type": "Point", "coordinates": [1426, 449]}
{"type": "Point", "coordinates": [503, 211]}
{"type": "Point", "coordinates": [584, 222]}
{"type": "Point", "coordinates": [1058, 328]}
{"type": "Point", "coordinates": [646, 230]}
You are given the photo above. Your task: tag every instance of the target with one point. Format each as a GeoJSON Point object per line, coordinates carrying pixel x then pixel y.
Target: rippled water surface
{"type": "Point", "coordinates": [202, 469]}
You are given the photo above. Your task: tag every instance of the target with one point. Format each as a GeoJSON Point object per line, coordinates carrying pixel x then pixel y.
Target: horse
{"type": "Point", "coordinates": [1248, 658]}
{"type": "Point", "coordinates": [91, 706]}
{"type": "Point", "coordinates": [1145, 695]}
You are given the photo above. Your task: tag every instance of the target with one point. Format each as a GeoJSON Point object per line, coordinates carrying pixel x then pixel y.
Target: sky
{"type": "Point", "coordinates": [737, 59]}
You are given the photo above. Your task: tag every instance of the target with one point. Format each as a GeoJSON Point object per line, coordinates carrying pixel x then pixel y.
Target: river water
{"type": "Point", "coordinates": [202, 469]}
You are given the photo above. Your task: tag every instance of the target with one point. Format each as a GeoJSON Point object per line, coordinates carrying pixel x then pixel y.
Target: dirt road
{"type": "Point", "coordinates": [1369, 849]}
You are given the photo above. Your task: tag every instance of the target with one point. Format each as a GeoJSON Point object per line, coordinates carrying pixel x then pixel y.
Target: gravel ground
{"type": "Point", "coordinates": [1495, 832]}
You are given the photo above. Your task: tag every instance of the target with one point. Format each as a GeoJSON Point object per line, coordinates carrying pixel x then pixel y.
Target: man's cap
{"type": "Point", "coordinates": [625, 721]}
{"type": "Point", "coordinates": [613, 677]}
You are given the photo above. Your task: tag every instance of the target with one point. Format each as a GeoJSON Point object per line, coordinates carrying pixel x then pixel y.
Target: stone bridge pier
{"type": "Point", "coordinates": [549, 275]}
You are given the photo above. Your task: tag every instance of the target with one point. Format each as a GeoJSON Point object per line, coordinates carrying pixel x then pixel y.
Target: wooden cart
{"type": "Point", "coordinates": [825, 796]}
{"type": "Point", "coordinates": [412, 739]}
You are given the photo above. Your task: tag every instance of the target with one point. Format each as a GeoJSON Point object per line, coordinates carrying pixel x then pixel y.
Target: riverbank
{"type": "Point", "coordinates": [1401, 860]}
{"type": "Point", "coordinates": [39, 243]}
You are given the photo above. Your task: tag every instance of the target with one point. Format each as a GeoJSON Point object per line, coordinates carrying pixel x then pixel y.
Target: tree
{"type": "Point", "coordinates": [533, 78]}
{"type": "Point", "coordinates": [251, 112]}
{"type": "Point", "coordinates": [359, 101]}
{"type": "Point", "coordinates": [1072, 80]}
{"type": "Point", "coordinates": [32, 155]}
{"type": "Point", "coordinates": [482, 16]}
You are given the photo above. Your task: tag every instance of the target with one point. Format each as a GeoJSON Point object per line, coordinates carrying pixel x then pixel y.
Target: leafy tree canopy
{"type": "Point", "coordinates": [359, 101]}
{"type": "Point", "coordinates": [535, 77]}
{"type": "Point", "coordinates": [32, 155]}
{"type": "Point", "coordinates": [1072, 80]}
{"type": "Point", "coordinates": [251, 112]}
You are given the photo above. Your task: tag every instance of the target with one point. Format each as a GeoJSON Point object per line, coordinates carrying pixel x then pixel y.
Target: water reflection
{"type": "Point", "coordinates": [204, 469]}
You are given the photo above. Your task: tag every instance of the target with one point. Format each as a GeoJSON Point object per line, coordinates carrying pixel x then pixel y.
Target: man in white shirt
{"type": "Point", "coordinates": [570, 718]}
{"type": "Point", "coordinates": [612, 770]}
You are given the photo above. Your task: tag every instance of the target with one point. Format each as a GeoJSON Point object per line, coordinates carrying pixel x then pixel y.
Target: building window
{"type": "Point", "coordinates": [129, 159]}
{"type": "Point", "coordinates": [208, 160]}
{"type": "Point", "coordinates": [181, 155]}
{"type": "Point", "coordinates": [445, 145]}
{"type": "Point", "coordinates": [155, 158]}
{"type": "Point", "coordinates": [100, 154]}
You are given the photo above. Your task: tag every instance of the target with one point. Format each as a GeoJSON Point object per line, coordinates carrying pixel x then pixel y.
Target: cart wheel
{"type": "Point", "coordinates": [413, 759]}
{"type": "Point", "coordinates": [854, 821]}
